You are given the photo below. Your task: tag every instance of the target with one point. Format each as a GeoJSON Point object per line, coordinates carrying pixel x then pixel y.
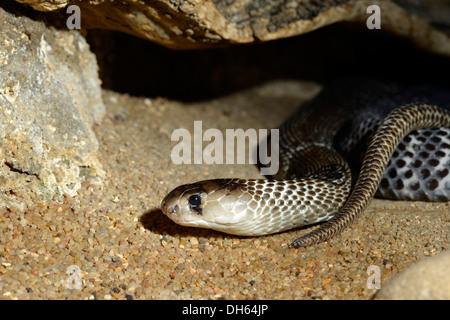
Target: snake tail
{"type": "Point", "coordinates": [399, 123]}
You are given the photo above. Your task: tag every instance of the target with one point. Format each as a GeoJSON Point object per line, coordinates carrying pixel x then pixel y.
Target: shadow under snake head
{"type": "Point", "coordinates": [219, 204]}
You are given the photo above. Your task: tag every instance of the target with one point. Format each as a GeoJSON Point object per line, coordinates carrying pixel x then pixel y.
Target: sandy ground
{"type": "Point", "coordinates": [123, 247]}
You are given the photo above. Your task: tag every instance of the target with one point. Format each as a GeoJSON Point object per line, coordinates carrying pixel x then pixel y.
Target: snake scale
{"type": "Point", "coordinates": [359, 137]}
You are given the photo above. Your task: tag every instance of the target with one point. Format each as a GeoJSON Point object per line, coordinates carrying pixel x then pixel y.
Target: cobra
{"type": "Point", "coordinates": [392, 139]}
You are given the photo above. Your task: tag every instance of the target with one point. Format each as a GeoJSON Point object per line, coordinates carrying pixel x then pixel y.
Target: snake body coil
{"type": "Point", "coordinates": [401, 132]}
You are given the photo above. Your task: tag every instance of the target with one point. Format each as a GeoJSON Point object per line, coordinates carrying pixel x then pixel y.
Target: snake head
{"type": "Point", "coordinates": [213, 204]}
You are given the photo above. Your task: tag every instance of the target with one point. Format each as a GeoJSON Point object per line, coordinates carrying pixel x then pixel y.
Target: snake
{"type": "Point", "coordinates": [358, 138]}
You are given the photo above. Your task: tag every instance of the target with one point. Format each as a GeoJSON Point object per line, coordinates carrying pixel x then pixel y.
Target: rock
{"type": "Point", "coordinates": [50, 96]}
{"type": "Point", "coordinates": [189, 24]}
{"type": "Point", "coordinates": [426, 279]}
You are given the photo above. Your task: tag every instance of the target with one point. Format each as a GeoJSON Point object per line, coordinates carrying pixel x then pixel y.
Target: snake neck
{"type": "Point", "coordinates": [313, 199]}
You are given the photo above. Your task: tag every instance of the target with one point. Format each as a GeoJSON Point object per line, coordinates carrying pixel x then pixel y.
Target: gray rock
{"type": "Point", "coordinates": [50, 96]}
{"type": "Point", "coordinates": [426, 279]}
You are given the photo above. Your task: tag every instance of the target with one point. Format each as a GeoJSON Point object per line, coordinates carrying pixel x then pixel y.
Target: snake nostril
{"type": "Point", "coordinates": [175, 209]}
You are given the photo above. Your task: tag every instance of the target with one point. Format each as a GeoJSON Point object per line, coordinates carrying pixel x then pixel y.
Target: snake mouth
{"type": "Point", "coordinates": [172, 212]}
{"type": "Point", "coordinates": [166, 208]}
{"type": "Point", "coordinates": [171, 207]}
{"type": "Point", "coordinates": [197, 224]}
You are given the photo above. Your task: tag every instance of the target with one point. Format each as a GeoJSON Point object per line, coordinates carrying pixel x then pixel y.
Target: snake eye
{"type": "Point", "coordinates": [195, 200]}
